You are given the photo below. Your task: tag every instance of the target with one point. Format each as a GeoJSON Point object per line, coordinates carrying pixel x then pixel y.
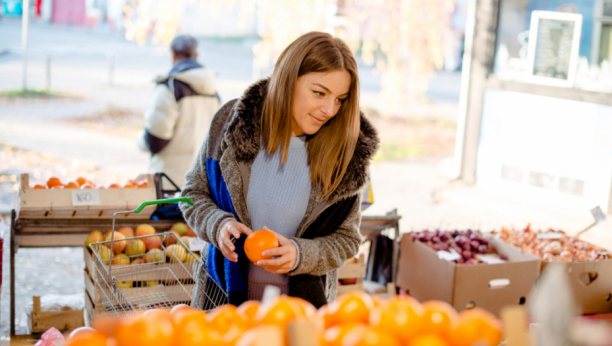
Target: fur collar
{"type": "Point", "coordinates": [244, 136]}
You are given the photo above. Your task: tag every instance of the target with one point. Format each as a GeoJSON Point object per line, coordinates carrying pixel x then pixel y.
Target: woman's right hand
{"type": "Point", "coordinates": [231, 228]}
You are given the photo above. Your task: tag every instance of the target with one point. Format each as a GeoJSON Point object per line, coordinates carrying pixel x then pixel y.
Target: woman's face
{"type": "Point", "coordinates": [318, 96]}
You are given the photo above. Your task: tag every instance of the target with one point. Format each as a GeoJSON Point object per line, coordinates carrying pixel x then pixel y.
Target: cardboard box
{"type": "Point", "coordinates": [592, 293]}
{"type": "Point", "coordinates": [488, 286]}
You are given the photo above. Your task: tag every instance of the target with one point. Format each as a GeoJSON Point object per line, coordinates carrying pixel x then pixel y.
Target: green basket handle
{"type": "Point", "coordinates": [162, 201]}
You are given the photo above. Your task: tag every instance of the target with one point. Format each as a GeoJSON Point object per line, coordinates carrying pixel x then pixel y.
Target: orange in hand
{"type": "Point", "coordinates": [477, 325]}
{"type": "Point", "coordinates": [258, 242]}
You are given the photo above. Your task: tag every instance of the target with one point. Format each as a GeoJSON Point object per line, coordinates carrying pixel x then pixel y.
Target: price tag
{"type": "Point", "coordinates": [549, 235]}
{"type": "Point", "coordinates": [490, 258]}
{"type": "Point", "coordinates": [85, 197]}
{"type": "Point", "coordinates": [449, 256]}
{"type": "Point", "coordinates": [196, 244]}
{"type": "Point", "coordinates": [598, 214]}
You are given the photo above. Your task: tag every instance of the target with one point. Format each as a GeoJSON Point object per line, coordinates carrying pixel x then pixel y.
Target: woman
{"type": "Point", "coordinates": [291, 155]}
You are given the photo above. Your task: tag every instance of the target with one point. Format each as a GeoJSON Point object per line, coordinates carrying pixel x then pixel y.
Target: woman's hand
{"type": "Point", "coordinates": [287, 253]}
{"type": "Point", "coordinates": [230, 228]}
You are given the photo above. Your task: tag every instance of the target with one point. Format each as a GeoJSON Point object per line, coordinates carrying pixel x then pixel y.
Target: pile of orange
{"type": "Point", "coordinates": [83, 183]}
{"type": "Point", "coordinates": [354, 319]}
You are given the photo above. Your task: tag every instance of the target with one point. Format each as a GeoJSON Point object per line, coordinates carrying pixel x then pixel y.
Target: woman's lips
{"type": "Point", "coordinates": [317, 120]}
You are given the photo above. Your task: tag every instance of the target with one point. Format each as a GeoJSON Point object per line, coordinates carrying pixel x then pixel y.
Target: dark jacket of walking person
{"type": "Point", "coordinates": [179, 116]}
{"type": "Point", "coordinates": [292, 155]}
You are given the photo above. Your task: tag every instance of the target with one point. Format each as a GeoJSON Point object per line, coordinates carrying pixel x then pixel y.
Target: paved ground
{"type": "Point", "coordinates": [417, 188]}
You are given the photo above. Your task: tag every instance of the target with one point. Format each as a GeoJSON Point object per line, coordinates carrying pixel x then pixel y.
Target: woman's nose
{"type": "Point", "coordinates": [328, 109]}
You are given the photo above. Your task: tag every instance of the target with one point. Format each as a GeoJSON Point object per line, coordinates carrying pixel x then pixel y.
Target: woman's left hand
{"type": "Point", "coordinates": [287, 256]}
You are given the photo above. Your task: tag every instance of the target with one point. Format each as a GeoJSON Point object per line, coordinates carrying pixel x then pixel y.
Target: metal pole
{"type": "Point", "coordinates": [24, 39]}
{"type": "Point", "coordinates": [110, 59]}
{"type": "Point", "coordinates": [470, 30]}
{"type": "Point", "coordinates": [48, 79]}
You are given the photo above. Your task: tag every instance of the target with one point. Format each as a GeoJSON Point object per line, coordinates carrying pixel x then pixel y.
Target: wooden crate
{"type": "Point", "coordinates": [352, 271]}
{"type": "Point", "coordinates": [58, 203]}
{"type": "Point", "coordinates": [62, 320]}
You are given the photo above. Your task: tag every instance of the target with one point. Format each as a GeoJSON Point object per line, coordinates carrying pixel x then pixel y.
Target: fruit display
{"type": "Point", "coordinates": [83, 183]}
{"type": "Point", "coordinates": [464, 245]}
{"type": "Point", "coordinates": [354, 319]}
{"type": "Point", "coordinates": [552, 245]}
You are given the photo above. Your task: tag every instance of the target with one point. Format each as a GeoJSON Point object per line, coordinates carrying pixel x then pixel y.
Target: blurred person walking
{"type": "Point", "coordinates": [182, 107]}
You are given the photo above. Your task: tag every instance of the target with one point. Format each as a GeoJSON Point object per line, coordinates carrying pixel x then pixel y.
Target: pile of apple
{"type": "Point", "coordinates": [552, 245]}
{"type": "Point", "coordinates": [127, 250]}
{"type": "Point", "coordinates": [466, 243]}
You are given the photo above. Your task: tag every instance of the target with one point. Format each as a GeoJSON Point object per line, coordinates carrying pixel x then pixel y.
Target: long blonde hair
{"type": "Point", "coordinates": [331, 149]}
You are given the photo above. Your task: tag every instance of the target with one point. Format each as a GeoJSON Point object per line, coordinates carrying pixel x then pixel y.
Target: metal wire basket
{"type": "Point", "coordinates": [130, 278]}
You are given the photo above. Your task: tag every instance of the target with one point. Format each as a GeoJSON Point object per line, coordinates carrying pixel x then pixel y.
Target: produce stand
{"type": "Point", "coordinates": [52, 224]}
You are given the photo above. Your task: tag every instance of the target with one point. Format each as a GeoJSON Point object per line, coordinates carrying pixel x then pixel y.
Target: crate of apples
{"type": "Point", "coordinates": [354, 319]}
{"type": "Point", "coordinates": [464, 246]}
{"type": "Point", "coordinates": [552, 245]}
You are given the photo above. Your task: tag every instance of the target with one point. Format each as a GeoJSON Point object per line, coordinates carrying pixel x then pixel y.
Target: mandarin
{"type": "Point", "coordinates": [307, 308]}
{"type": "Point", "coordinates": [90, 338]}
{"type": "Point", "coordinates": [87, 186]}
{"type": "Point", "coordinates": [334, 336]}
{"type": "Point", "coordinates": [271, 334]}
{"type": "Point", "coordinates": [38, 186]}
{"type": "Point", "coordinates": [225, 317]}
{"type": "Point", "coordinates": [72, 185]}
{"type": "Point", "coordinates": [477, 325]}
{"type": "Point", "coordinates": [279, 312]}
{"type": "Point", "coordinates": [439, 318]}
{"type": "Point", "coordinates": [54, 181]}
{"type": "Point", "coordinates": [81, 180]}
{"type": "Point", "coordinates": [371, 336]}
{"type": "Point", "coordinates": [57, 187]}
{"type": "Point", "coordinates": [258, 242]}
{"type": "Point", "coordinates": [193, 330]}
{"type": "Point", "coordinates": [114, 186]}
{"type": "Point", "coordinates": [428, 340]}
{"type": "Point", "coordinates": [248, 310]}
{"type": "Point", "coordinates": [401, 316]}
{"type": "Point", "coordinates": [151, 328]}
{"type": "Point", "coordinates": [350, 307]}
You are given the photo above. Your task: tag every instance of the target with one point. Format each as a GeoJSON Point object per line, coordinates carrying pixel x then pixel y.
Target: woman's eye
{"type": "Point", "coordinates": [340, 101]}
{"type": "Point", "coordinates": [318, 93]}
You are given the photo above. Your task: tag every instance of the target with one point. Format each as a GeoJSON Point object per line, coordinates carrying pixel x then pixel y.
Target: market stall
{"type": "Point", "coordinates": [66, 218]}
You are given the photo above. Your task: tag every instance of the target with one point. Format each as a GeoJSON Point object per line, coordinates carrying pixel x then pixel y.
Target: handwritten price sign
{"type": "Point", "coordinates": [85, 197]}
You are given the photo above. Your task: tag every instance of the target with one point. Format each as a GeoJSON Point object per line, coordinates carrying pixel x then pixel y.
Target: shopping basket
{"type": "Point", "coordinates": [162, 277]}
